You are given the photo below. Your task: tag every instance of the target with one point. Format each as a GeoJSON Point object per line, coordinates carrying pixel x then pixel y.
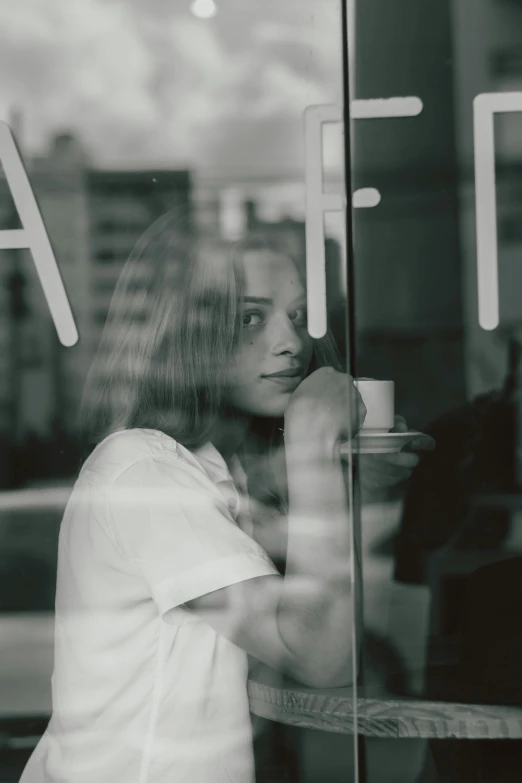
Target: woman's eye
{"type": "Point", "coordinates": [252, 318]}
{"type": "Point", "coordinates": [298, 315]}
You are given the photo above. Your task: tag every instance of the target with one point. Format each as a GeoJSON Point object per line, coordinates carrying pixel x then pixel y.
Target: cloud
{"type": "Point", "coordinates": [147, 84]}
{"type": "Point", "coordinates": [77, 64]}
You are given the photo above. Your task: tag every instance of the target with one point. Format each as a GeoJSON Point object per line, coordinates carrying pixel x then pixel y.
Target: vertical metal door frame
{"type": "Point", "coordinates": [348, 14]}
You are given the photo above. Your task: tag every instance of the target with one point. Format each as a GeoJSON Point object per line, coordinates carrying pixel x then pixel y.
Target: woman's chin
{"type": "Point", "coordinates": [275, 409]}
{"type": "Point", "coordinates": [263, 406]}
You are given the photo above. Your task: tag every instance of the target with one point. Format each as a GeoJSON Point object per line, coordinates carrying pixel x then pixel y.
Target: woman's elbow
{"type": "Point", "coordinates": [330, 674]}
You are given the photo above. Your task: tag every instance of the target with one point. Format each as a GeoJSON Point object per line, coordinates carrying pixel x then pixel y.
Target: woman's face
{"type": "Point", "coordinates": [275, 347]}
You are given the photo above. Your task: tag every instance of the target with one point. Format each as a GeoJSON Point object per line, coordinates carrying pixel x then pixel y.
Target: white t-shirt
{"type": "Point", "coordinates": [138, 698]}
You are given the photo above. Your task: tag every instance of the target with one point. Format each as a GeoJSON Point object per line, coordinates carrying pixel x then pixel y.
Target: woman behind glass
{"type": "Point", "coordinates": [205, 373]}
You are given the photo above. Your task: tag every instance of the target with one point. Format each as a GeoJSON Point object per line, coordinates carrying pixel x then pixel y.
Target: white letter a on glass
{"type": "Point", "coordinates": [34, 237]}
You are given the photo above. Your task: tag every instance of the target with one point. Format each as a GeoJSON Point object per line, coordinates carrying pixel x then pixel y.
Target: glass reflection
{"type": "Point", "coordinates": [128, 118]}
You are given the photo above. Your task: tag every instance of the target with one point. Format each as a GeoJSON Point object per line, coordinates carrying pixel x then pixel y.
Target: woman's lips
{"type": "Point", "coordinates": [289, 372]}
{"type": "Point", "coordinates": [289, 378]}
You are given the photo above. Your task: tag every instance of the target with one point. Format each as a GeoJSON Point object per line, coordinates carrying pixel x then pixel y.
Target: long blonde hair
{"type": "Point", "coordinates": [171, 332]}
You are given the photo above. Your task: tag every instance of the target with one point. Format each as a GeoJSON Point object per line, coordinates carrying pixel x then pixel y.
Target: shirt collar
{"type": "Point", "coordinates": [233, 480]}
{"type": "Point", "coordinates": [212, 461]}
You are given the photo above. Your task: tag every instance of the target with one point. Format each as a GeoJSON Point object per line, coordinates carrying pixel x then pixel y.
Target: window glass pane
{"type": "Point", "coordinates": [162, 165]}
{"type": "Point", "coordinates": [437, 310]}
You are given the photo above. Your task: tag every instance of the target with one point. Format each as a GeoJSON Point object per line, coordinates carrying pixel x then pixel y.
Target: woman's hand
{"type": "Point", "coordinates": [325, 408]}
{"type": "Point", "coordinates": [382, 471]}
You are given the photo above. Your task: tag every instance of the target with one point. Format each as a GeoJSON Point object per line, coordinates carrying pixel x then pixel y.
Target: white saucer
{"type": "Point", "coordinates": [379, 442]}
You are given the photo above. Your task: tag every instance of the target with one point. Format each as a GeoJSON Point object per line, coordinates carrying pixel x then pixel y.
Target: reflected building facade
{"type": "Point", "coordinates": [93, 218]}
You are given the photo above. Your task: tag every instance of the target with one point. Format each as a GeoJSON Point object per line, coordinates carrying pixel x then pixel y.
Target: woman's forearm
{"type": "Point", "coordinates": [315, 613]}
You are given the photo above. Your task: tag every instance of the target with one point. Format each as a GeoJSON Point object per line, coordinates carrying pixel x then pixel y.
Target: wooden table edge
{"type": "Point", "coordinates": [398, 718]}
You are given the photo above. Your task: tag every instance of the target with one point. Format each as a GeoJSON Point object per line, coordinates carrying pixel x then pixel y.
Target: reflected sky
{"type": "Point", "coordinates": [149, 82]}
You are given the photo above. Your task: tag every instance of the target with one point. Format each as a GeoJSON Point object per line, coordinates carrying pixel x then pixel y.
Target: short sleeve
{"type": "Point", "coordinates": [172, 523]}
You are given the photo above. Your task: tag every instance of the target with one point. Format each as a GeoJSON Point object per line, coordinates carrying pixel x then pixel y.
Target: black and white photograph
{"type": "Point", "coordinates": [260, 391]}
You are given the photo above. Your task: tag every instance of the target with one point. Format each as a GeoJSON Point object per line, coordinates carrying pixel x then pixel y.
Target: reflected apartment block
{"type": "Point", "coordinates": [93, 218]}
{"type": "Point", "coordinates": [59, 181]}
{"type": "Point", "coordinates": [122, 205]}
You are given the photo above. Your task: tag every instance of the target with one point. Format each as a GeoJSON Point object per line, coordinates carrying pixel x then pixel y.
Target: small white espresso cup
{"type": "Point", "coordinates": [379, 398]}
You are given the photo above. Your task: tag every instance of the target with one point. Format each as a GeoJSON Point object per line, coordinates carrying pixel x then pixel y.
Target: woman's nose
{"type": "Point", "coordinates": [285, 338]}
